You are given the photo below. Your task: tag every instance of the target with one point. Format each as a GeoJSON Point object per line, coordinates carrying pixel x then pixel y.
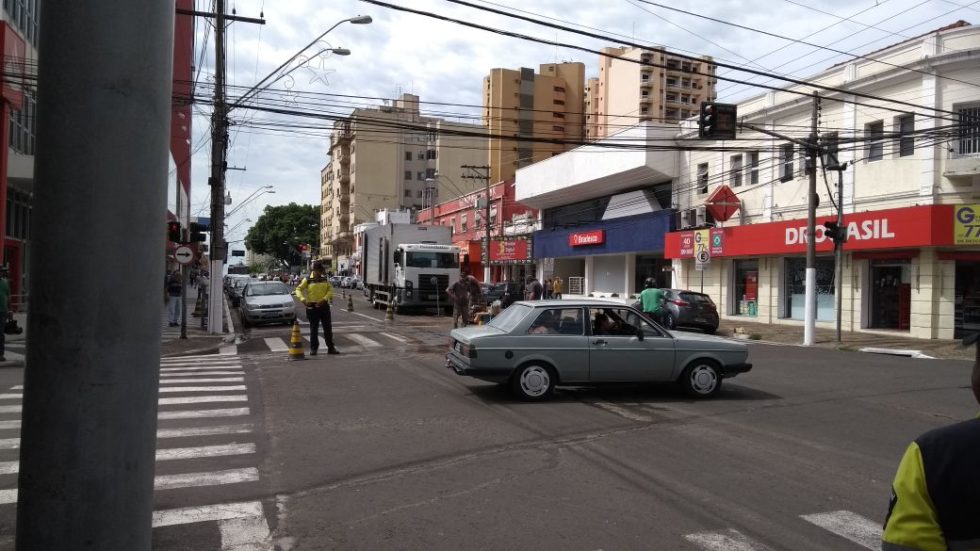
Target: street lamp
{"type": "Point", "coordinates": [237, 225]}
{"type": "Point", "coordinates": [255, 194]}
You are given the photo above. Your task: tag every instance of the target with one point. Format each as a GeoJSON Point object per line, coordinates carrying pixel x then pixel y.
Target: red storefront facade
{"type": "Point", "coordinates": [912, 269]}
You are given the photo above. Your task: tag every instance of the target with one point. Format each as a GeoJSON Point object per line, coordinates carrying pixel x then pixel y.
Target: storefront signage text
{"type": "Point", "coordinates": [510, 251]}
{"type": "Point", "coordinates": [869, 229]}
{"type": "Point", "coordinates": [594, 237]}
{"type": "Point", "coordinates": [966, 225]}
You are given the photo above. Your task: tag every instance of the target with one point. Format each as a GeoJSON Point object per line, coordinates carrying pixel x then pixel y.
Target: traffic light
{"type": "Point", "coordinates": [837, 233]}
{"type": "Point", "coordinates": [197, 232]}
{"type": "Point", "coordinates": [173, 231]}
{"type": "Point", "coordinates": [717, 120]}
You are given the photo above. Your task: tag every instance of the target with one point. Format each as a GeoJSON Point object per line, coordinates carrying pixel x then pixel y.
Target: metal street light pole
{"type": "Point", "coordinates": [255, 195]}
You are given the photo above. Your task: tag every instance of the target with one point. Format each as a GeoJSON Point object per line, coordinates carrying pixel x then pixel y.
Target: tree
{"type": "Point", "coordinates": [282, 229]}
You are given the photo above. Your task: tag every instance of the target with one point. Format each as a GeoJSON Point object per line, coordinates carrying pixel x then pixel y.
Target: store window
{"type": "Point", "coordinates": [746, 288]}
{"type": "Point", "coordinates": [651, 266]}
{"type": "Point", "coordinates": [966, 313]}
{"type": "Point", "coordinates": [795, 284]}
{"type": "Point", "coordinates": [891, 294]}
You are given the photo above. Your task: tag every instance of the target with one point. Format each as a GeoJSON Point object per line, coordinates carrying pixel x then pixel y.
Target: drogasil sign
{"type": "Point", "coordinates": [856, 231]}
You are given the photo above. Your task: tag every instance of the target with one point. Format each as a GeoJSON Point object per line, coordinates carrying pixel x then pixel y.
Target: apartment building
{"type": "Point", "coordinates": [391, 157]}
{"type": "Point", "coordinates": [532, 116]}
{"type": "Point", "coordinates": [636, 85]}
{"type": "Point", "coordinates": [911, 264]}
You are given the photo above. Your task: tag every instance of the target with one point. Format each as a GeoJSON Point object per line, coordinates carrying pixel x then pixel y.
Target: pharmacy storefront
{"type": "Point", "coordinates": [912, 270]}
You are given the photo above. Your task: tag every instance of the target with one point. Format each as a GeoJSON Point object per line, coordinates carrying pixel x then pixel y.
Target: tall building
{"type": "Point", "coordinates": [521, 107]}
{"type": "Point", "coordinates": [627, 92]}
{"type": "Point", "coordinates": [406, 159]}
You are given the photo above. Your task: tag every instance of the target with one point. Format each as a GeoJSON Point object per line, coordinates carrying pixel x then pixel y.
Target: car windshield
{"type": "Point", "coordinates": [418, 259]}
{"type": "Point", "coordinates": [265, 289]}
{"type": "Point", "coordinates": [509, 318]}
{"type": "Point", "coordinates": [697, 298]}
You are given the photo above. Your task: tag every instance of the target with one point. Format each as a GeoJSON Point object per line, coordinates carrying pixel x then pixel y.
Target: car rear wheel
{"type": "Point", "coordinates": [669, 321]}
{"type": "Point", "coordinates": [701, 379]}
{"type": "Point", "coordinates": [533, 382]}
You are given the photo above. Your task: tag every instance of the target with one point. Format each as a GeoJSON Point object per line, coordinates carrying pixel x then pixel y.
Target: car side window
{"type": "Point", "coordinates": [638, 321]}
{"type": "Point", "coordinates": [612, 322]}
{"type": "Point", "coordinates": [546, 323]}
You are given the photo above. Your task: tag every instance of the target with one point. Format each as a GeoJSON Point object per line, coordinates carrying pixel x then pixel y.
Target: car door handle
{"type": "Point", "coordinates": [600, 341]}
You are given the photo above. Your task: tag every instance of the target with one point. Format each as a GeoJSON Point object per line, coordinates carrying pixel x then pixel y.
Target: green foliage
{"type": "Point", "coordinates": [281, 229]}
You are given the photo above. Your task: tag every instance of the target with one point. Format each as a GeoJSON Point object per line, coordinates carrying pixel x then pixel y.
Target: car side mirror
{"type": "Point", "coordinates": [639, 333]}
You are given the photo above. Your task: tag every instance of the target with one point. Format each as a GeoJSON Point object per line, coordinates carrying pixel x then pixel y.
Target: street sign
{"type": "Point", "coordinates": [184, 254]}
{"type": "Point", "coordinates": [702, 251]}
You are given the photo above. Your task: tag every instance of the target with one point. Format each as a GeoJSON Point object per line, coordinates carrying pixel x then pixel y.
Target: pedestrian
{"type": "Point", "coordinates": [652, 300]}
{"type": "Point", "coordinates": [459, 294]}
{"type": "Point", "coordinates": [534, 290]}
{"type": "Point", "coordinates": [173, 286]}
{"type": "Point", "coordinates": [4, 310]}
{"type": "Point", "coordinates": [476, 292]}
{"type": "Point", "coordinates": [556, 288]}
{"type": "Point", "coordinates": [316, 292]}
{"type": "Point", "coordinates": [935, 500]}
{"type": "Point", "coordinates": [547, 288]}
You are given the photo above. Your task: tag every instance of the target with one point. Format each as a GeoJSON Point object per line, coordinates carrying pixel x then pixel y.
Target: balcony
{"type": "Point", "coordinates": [645, 98]}
{"type": "Point", "coordinates": [962, 168]}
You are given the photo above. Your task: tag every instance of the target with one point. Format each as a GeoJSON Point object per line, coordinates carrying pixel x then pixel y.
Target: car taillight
{"type": "Point", "coordinates": [681, 303]}
{"type": "Point", "coordinates": [468, 350]}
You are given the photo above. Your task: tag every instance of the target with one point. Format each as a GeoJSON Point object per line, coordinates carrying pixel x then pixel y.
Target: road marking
{"type": "Point", "coordinates": [175, 381]}
{"type": "Point", "coordinates": [276, 344]}
{"type": "Point", "coordinates": [622, 412]}
{"type": "Point", "coordinates": [245, 534]}
{"type": "Point", "coordinates": [206, 513]}
{"type": "Point", "coordinates": [375, 320]}
{"type": "Point", "coordinates": [203, 413]}
{"type": "Point", "coordinates": [169, 374]}
{"type": "Point", "coordinates": [9, 443]}
{"type": "Point", "coordinates": [8, 496]}
{"type": "Point", "coordinates": [9, 409]}
{"type": "Point", "coordinates": [9, 425]}
{"type": "Point", "coordinates": [729, 540]}
{"type": "Point", "coordinates": [169, 389]}
{"type": "Point", "coordinates": [848, 525]}
{"type": "Point", "coordinates": [196, 452]}
{"type": "Point", "coordinates": [204, 431]}
{"type": "Point", "coordinates": [228, 350]}
{"type": "Point", "coordinates": [201, 399]}
{"type": "Point", "coordinates": [11, 396]}
{"type": "Point", "coordinates": [17, 387]}
{"type": "Point", "coordinates": [200, 357]}
{"type": "Point", "coordinates": [363, 341]}
{"type": "Point", "coordinates": [213, 478]}
{"type": "Point", "coordinates": [395, 337]}
{"type": "Point", "coordinates": [227, 367]}
{"type": "Point", "coordinates": [9, 467]}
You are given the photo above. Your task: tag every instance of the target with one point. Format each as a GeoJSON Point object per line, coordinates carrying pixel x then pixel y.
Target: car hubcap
{"type": "Point", "coordinates": [535, 381]}
{"type": "Point", "coordinates": [703, 379]}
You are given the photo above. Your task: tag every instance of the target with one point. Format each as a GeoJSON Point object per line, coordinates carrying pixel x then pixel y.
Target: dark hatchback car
{"type": "Point", "coordinates": [690, 309]}
{"type": "Point", "coordinates": [507, 292]}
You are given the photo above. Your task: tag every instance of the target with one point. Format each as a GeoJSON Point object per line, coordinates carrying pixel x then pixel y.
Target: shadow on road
{"type": "Point", "coordinates": [667, 393]}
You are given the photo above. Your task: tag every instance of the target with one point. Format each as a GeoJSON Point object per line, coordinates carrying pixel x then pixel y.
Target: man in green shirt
{"type": "Point", "coordinates": [4, 308]}
{"type": "Point", "coordinates": [652, 300]}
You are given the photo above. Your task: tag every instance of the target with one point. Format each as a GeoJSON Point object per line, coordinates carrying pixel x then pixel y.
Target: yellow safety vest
{"type": "Point", "coordinates": [316, 289]}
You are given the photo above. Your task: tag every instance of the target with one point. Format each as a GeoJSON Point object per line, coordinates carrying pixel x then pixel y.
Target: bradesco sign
{"type": "Point", "coordinates": [884, 229]}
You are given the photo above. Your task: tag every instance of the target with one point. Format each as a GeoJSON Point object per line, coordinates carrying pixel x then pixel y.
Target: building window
{"type": "Point", "coordinates": [408, 174]}
{"type": "Point", "coordinates": [906, 140]}
{"type": "Point", "coordinates": [419, 194]}
{"type": "Point", "coordinates": [430, 154]}
{"type": "Point", "coordinates": [430, 173]}
{"type": "Point", "coordinates": [558, 115]}
{"type": "Point", "coordinates": [462, 223]}
{"type": "Point", "coordinates": [703, 178]}
{"type": "Point", "coordinates": [558, 128]}
{"type": "Point", "coordinates": [559, 102]}
{"type": "Point", "coordinates": [753, 167]}
{"type": "Point", "coordinates": [874, 133]}
{"type": "Point", "coordinates": [421, 156]}
{"type": "Point", "coordinates": [786, 162]}
{"type": "Point", "coordinates": [408, 193]}
{"type": "Point", "coordinates": [559, 89]}
{"type": "Point", "coordinates": [969, 134]}
{"type": "Point", "coordinates": [736, 170]}
{"type": "Point", "coordinates": [408, 155]}
{"type": "Point", "coordinates": [23, 125]}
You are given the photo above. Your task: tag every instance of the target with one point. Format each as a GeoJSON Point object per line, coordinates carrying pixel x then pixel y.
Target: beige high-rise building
{"type": "Point", "coordinates": [627, 93]}
{"type": "Point", "coordinates": [521, 107]}
{"type": "Point", "coordinates": [392, 157]}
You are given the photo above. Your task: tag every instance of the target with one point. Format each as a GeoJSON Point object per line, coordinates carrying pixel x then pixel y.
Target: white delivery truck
{"type": "Point", "coordinates": [409, 264]}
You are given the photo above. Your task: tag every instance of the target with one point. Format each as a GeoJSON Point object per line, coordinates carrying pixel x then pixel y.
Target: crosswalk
{"type": "Point", "coordinates": [861, 531]}
{"type": "Point", "coordinates": [206, 447]}
{"type": "Point", "coordinates": [350, 339]}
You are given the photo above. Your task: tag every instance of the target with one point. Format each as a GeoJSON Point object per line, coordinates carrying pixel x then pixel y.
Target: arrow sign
{"type": "Point", "coordinates": [184, 254]}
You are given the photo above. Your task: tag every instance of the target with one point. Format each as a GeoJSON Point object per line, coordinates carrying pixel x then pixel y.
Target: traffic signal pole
{"type": "Point", "coordinates": [89, 415]}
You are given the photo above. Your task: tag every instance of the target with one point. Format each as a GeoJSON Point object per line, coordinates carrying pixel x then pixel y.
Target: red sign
{"type": "Point", "coordinates": [722, 203]}
{"type": "Point", "coordinates": [922, 226]}
{"type": "Point", "coordinates": [510, 251]}
{"type": "Point", "coordinates": [14, 62]}
{"type": "Point", "coordinates": [594, 237]}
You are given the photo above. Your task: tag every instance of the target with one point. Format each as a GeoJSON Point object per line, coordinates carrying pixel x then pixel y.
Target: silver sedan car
{"type": "Point", "coordinates": [535, 345]}
{"type": "Point", "coordinates": [267, 302]}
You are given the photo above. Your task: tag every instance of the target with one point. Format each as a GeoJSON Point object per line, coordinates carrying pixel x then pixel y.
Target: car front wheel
{"type": "Point", "coordinates": [701, 379]}
{"type": "Point", "coordinates": [533, 382]}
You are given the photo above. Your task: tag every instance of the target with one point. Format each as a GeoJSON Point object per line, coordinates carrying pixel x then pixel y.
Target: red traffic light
{"type": "Point", "coordinates": [173, 231]}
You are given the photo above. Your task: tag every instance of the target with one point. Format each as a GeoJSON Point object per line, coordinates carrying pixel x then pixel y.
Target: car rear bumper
{"type": "Point", "coordinates": [732, 370]}
{"type": "Point", "coordinates": [492, 374]}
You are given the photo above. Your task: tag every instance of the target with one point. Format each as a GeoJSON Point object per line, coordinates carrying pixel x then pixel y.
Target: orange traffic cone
{"type": "Point", "coordinates": [296, 343]}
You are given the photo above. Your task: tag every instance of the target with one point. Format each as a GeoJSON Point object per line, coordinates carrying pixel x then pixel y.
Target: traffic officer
{"type": "Point", "coordinates": [935, 502]}
{"type": "Point", "coordinates": [315, 292]}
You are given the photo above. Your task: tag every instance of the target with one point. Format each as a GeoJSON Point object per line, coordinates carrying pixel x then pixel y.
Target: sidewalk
{"type": "Point", "coordinates": [851, 341]}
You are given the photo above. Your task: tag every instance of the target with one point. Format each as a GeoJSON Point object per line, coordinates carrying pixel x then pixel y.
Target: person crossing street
{"type": "Point", "coordinates": [316, 292]}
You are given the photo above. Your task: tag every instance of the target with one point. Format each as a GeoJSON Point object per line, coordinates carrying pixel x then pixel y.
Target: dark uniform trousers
{"type": "Point", "coordinates": [317, 315]}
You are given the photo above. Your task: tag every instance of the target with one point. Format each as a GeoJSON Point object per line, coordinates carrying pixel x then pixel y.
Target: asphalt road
{"type": "Point", "coordinates": [388, 449]}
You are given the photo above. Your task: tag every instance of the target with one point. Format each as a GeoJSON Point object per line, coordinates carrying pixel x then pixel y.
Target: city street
{"type": "Point", "coordinates": [383, 447]}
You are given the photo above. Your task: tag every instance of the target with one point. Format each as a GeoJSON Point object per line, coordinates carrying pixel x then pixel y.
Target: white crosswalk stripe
{"type": "Point", "coordinates": [363, 341]}
{"type": "Point", "coordinates": [213, 478]}
{"type": "Point", "coordinates": [196, 452]}
{"type": "Point", "coordinates": [170, 389]}
{"type": "Point", "coordinates": [728, 540]}
{"type": "Point", "coordinates": [862, 531]}
{"type": "Point", "coordinates": [276, 344]}
{"type": "Point", "coordinates": [221, 511]}
{"type": "Point", "coordinates": [396, 337]}
{"type": "Point", "coordinates": [243, 428]}
{"type": "Point", "coordinates": [203, 414]}
{"type": "Point", "coordinates": [201, 399]}
{"type": "Point", "coordinates": [175, 374]}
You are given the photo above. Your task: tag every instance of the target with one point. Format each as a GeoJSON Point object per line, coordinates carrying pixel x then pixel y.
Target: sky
{"type": "Point", "coordinates": [445, 62]}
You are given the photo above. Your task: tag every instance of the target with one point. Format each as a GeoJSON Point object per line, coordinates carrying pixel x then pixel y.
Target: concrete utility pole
{"type": "Point", "coordinates": [839, 252]}
{"type": "Point", "coordinates": [810, 310]}
{"type": "Point", "coordinates": [483, 173]}
{"type": "Point", "coordinates": [90, 391]}
{"type": "Point", "coordinates": [216, 306]}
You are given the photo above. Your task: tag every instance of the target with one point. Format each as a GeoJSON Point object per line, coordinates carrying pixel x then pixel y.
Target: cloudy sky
{"type": "Point", "coordinates": [445, 62]}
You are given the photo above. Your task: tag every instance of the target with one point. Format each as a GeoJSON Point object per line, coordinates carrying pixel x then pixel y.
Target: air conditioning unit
{"type": "Point", "coordinates": [701, 216]}
{"type": "Point", "coordinates": [687, 219]}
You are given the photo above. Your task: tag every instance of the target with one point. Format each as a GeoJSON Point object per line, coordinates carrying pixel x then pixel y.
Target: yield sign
{"type": "Point", "coordinates": [184, 254]}
{"type": "Point", "coordinates": [722, 203]}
